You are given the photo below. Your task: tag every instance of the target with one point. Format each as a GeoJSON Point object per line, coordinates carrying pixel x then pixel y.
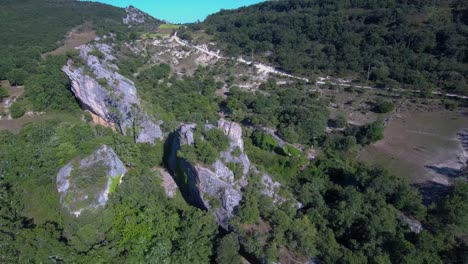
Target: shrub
{"type": "Point", "coordinates": [340, 121]}
{"type": "Point", "coordinates": [3, 93]}
{"type": "Point", "coordinates": [218, 139]}
{"type": "Point", "coordinates": [264, 141]}
{"type": "Point", "coordinates": [17, 110]}
{"type": "Point", "coordinates": [384, 107]}
{"type": "Point", "coordinates": [97, 53]}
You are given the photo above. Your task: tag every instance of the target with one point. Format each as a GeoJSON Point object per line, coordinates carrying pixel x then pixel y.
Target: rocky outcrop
{"type": "Point", "coordinates": [414, 225]}
{"type": "Point", "coordinates": [101, 89]}
{"type": "Point", "coordinates": [134, 16]}
{"type": "Point", "coordinates": [86, 183]}
{"type": "Point", "coordinates": [214, 187]}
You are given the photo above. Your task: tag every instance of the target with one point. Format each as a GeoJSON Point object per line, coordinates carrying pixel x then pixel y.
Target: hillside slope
{"type": "Point", "coordinates": [32, 27]}
{"type": "Point", "coordinates": [417, 43]}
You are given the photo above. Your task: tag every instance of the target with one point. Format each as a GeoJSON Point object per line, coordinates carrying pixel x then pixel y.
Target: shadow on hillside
{"type": "Point", "coordinates": [446, 171]}
{"type": "Point", "coordinates": [431, 191]}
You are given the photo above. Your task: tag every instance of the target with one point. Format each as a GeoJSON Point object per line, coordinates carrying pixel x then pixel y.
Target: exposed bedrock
{"type": "Point", "coordinates": [215, 187]}
{"type": "Point", "coordinates": [86, 183]}
{"type": "Point", "coordinates": [101, 89]}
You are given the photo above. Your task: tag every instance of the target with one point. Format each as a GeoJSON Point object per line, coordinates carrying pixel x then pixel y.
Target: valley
{"type": "Point", "coordinates": [126, 139]}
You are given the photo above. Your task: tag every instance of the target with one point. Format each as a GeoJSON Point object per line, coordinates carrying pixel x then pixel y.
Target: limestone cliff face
{"type": "Point", "coordinates": [101, 89]}
{"type": "Point", "coordinates": [216, 187]}
{"type": "Point", "coordinates": [86, 183]}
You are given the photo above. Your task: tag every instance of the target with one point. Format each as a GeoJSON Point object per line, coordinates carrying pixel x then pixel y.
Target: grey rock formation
{"type": "Point", "coordinates": [204, 185]}
{"type": "Point", "coordinates": [85, 184]}
{"type": "Point", "coordinates": [215, 187]}
{"type": "Point", "coordinates": [134, 16]}
{"type": "Point", "coordinates": [101, 89]}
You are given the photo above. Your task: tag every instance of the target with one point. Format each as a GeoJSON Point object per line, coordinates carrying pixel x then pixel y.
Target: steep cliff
{"type": "Point", "coordinates": [101, 89]}
{"type": "Point", "coordinates": [86, 183]}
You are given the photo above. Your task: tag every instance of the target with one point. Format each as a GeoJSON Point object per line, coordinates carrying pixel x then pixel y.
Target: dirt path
{"type": "Point", "coordinates": [263, 68]}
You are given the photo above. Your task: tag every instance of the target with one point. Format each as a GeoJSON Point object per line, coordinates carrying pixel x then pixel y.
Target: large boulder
{"type": "Point", "coordinates": [101, 89]}
{"type": "Point", "coordinates": [212, 187]}
{"type": "Point", "coordinates": [86, 183]}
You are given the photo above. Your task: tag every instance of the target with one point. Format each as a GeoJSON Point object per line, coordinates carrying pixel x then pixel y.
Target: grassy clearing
{"type": "Point", "coordinates": [169, 26]}
{"type": "Point", "coordinates": [154, 35]}
{"type": "Point", "coordinates": [417, 144]}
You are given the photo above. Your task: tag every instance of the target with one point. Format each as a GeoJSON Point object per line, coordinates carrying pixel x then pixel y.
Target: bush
{"type": "Point", "coordinates": [449, 105]}
{"type": "Point", "coordinates": [17, 110]}
{"type": "Point", "coordinates": [384, 107]}
{"type": "Point", "coordinates": [228, 250]}
{"type": "Point", "coordinates": [102, 81]}
{"type": "Point", "coordinates": [370, 133]}
{"type": "Point", "coordinates": [3, 93]}
{"type": "Point", "coordinates": [97, 53]}
{"type": "Point", "coordinates": [217, 138]}
{"type": "Point", "coordinates": [340, 121]}
{"type": "Point", "coordinates": [264, 141]}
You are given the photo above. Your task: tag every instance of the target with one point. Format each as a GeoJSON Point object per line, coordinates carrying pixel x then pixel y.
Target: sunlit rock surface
{"type": "Point", "coordinates": [86, 183]}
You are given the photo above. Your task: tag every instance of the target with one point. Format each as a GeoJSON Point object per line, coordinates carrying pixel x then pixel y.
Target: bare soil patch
{"type": "Point", "coordinates": [422, 146]}
{"type": "Point", "coordinates": [15, 125]}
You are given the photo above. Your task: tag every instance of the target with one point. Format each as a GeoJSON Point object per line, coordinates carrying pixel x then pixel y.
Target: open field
{"type": "Point", "coordinates": [169, 26]}
{"type": "Point", "coordinates": [423, 146]}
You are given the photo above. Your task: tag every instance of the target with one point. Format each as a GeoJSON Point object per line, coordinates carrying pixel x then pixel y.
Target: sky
{"type": "Point", "coordinates": [181, 11]}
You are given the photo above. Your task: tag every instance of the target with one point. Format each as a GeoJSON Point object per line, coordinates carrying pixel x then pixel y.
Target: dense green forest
{"type": "Point", "coordinates": [337, 210]}
{"type": "Point", "coordinates": [420, 44]}
{"type": "Point", "coordinates": [30, 28]}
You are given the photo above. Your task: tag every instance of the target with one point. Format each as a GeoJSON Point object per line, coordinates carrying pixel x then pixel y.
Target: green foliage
{"type": "Point", "coordinates": [206, 147]}
{"type": "Point", "coordinates": [97, 53]}
{"type": "Point", "coordinates": [340, 121]}
{"type": "Point", "coordinates": [236, 152]}
{"type": "Point", "coordinates": [237, 169]}
{"type": "Point", "coordinates": [102, 81]}
{"type": "Point", "coordinates": [114, 183]}
{"type": "Point", "coordinates": [450, 105]}
{"type": "Point", "coordinates": [3, 93]}
{"type": "Point", "coordinates": [30, 28]}
{"type": "Point", "coordinates": [349, 37]}
{"type": "Point", "coordinates": [228, 250]}
{"type": "Point", "coordinates": [155, 73]}
{"type": "Point", "coordinates": [279, 164]}
{"type": "Point", "coordinates": [264, 141]}
{"type": "Point", "coordinates": [191, 99]}
{"type": "Point", "coordinates": [249, 212]}
{"type": "Point", "coordinates": [367, 134]}
{"type": "Point", "coordinates": [17, 110]}
{"type": "Point", "coordinates": [217, 138]}
{"type": "Point", "coordinates": [299, 115]}
{"type": "Point", "coordinates": [49, 88]}
{"type": "Point", "coordinates": [132, 228]}
{"type": "Point", "coordinates": [384, 107]}
{"type": "Point", "coordinates": [452, 211]}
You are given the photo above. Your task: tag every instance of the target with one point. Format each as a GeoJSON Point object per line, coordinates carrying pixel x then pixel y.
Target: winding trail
{"type": "Point", "coordinates": [321, 80]}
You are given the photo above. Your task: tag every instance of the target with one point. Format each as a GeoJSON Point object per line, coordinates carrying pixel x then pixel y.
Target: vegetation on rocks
{"type": "Point", "coordinates": [325, 206]}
